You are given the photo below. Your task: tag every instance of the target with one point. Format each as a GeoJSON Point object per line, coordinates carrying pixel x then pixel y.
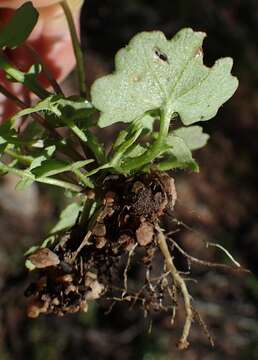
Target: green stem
{"type": "Point", "coordinates": [27, 160]}
{"type": "Point", "coordinates": [77, 49]}
{"type": "Point", "coordinates": [50, 181]}
{"type": "Point", "coordinates": [85, 215]}
{"type": "Point", "coordinates": [69, 151]}
{"type": "Point", "coordinates": [102, 167]}
{"type": "Point", "coordinates": [83, 178]}
{"type": "Point", "coordinates": [45, 69]}
{"type": "Point", "coordinates": [26, 79]}
{"type": "Point", "coordinates": [156, 148]}
{"type": "Point", "coordinates": [95, 147]}
{"type": "Point", "coordinates": [124, 147]}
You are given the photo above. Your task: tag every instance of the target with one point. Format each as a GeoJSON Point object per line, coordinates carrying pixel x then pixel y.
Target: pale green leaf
{"type": "Point", "coordinates": [136, 151]}
{"type": "Point", "coordinates": [29, 265]}
{"type": "Point", "coordinates": [153, 73]}
{"type": "Point", "coordinates": [193, 136]}
{"type": "Point", "coordinates": [67, 218]}
{"type": "Point", "coordinates": [179, 154]}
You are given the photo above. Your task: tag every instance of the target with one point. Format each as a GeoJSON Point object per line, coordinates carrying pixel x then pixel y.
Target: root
{"type": "Point", "coordinates": [92, 260]}
{"type": "Point", "coordinates": [236, 263]}
{"type": "Point", "coordinates": [84, 242]}
{"type": "Point", "coordinates": [180, 283]}
{"type": "Point", "coordinates": [191, 258]}
{"type": "Point", "coordinates": [203, 325]}
{"type": "Point", "coordinates": [130, 254]}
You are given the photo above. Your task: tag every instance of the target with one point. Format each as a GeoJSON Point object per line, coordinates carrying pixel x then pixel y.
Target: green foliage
{"type": "Point", "coordinates": [154, 73]}
{"type": "Point", "coordinates": [20, 26]}
{"type": "Point", "coordinates": [193, 136]}
{"type": "Point", "coordinates": [155, 82]}
{"type": "Point", "coordinates": [67, 219]}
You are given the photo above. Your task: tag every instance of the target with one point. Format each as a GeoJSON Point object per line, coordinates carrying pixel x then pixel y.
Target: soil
{"type": "Point", "coordinates": [86, 264]}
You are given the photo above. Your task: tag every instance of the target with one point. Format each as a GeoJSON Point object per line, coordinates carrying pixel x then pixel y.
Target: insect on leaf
{"type": "Point", "coordinates": [152, 72]}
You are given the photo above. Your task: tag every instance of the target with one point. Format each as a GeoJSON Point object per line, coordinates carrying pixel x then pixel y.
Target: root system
{"type": "Point", "coordinates": [93, 260]}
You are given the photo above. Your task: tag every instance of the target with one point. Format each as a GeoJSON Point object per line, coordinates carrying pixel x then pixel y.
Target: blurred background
{"type": "Point", "coordinates": [219, 205]}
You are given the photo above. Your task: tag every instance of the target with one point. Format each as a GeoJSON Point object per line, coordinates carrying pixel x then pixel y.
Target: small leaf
{"type": "Point", "coordinates": [26, 181]}
{"type": "Point", "coordinates": [193, 136]}
{"type": "Point", "coordinates": [19, 27]}
{"type": "Point", "coordinates": [29, 265]}
{"type": "Point", "coordinates": [48, 104]}
{"type": "Point", "coordinates": [153, 73]}
{"type": "Point", "coordinates": [67, 111]}
{"type": "Point", "coordinates": [179, 154]}
{"type": "Point", "coordinates": [68, 218]}
{"type": "Point", "coordinates": [136, 151]}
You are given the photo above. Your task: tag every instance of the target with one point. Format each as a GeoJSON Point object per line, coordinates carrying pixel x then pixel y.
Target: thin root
{"type": "Point", "coordinates": [130, 254]}
{"type": "Point", "coordinates": [203, 325]}
{"type": "Point", "coordinates": [208, 263]}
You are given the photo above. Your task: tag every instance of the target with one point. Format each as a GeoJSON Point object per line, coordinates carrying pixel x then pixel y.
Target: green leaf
{"type": "Point", "coordinates": [193, 136]}
{"type": "Point", "coordinates": [53, 167]}
{"type": "Point", "coordinates": [9, 135]}
{"type": "Point", "coordinates": [26, 181]}
{"type": "Point", "coordinates": [68, 218]}
{"type": "Point", "coordinates": [48, 104]}
{"type": "Point", "coordinates": [68, 111]}
{"type": "Point", "coordinates": [45, 180]}
{"type": "Point", "coordinates": [136, 151]}
{"type": "Point", "coordinates": [179, 155]}
{"type": "Point", "coordinates": [153, 73]}
{"type": "Point", "coordinates": [19, 27]}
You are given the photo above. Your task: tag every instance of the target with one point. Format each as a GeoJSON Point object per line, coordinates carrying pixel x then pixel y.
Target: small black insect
{"type": "Point", "coordinates": [161, 55]}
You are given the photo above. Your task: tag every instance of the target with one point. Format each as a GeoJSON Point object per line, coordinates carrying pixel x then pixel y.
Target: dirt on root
{"type": "Point", "coordinates": [92, 260]}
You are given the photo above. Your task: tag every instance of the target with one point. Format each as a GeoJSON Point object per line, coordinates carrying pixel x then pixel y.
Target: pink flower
{"type": "Point", "coordinates": [50, 38]}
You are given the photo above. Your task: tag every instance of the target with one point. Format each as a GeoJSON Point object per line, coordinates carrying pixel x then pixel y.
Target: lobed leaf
{"type": "Point", "coordinates": [154, 73]}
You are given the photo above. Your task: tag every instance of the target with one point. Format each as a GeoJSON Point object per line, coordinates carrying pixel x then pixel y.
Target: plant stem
{"type": "Point", "coordinates": [77, 49]}
{"type": "Point", "coordinates": [69, 152]}
{"type": "Point", "coordinates": [84, 218]}
{"type": "Point", "coordinates": [124, 147]}
{"type": "Point", "coordinates": [45, 180]}
{"type": "Point", "coordinates": [26, 79]}
{"type": "Point", "coordinates": [27, 160]}
{"type": "Point", "coordinates": [155, 149]}
{"type": "Point", "coordinates": [83, 178]}
{"type": "Point", "coordinates": [102, 167]}
{"type": "Point", "coordinates": [56, 87]}
{"type": "Point", "coordinates": [95, 147]}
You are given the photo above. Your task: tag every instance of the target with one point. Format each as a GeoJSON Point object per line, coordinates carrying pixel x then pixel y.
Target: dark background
{"type": "Point", "coordinates": [219, 205]}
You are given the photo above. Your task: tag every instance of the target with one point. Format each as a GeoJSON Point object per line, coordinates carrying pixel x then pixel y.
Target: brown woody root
{"type": "Point", "coordinates": [180, 283]}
